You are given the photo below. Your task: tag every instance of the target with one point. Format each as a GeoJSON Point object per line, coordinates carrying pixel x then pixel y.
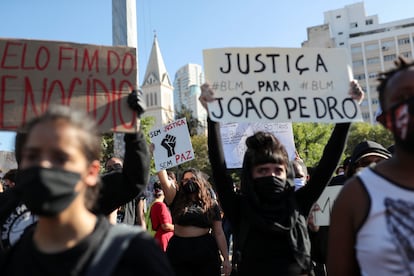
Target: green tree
{"type": "Point", "coordinates": [107, 140]}
{"type": "Point", "coordinates": [364, 131]}
{"type": "Point", "coordinates": [193, 123]}
{"type": "Point", "coordinates": [200, 161]}
{"type": "Point", "coordinates": [310, 140]}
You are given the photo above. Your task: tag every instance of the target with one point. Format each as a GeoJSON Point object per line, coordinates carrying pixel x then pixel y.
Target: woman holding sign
{"type": "Point", "coordinates": [198, 233]}
{"type": "Point", "coordinates": [268, 216]}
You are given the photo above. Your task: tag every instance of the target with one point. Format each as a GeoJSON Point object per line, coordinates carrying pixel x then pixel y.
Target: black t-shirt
{"type": "Point", "coordinates": [143, 257]}
{"type": "Point", "coordinates": [14, 218]}
{"type": "Point", "coordinates": [194, 214]}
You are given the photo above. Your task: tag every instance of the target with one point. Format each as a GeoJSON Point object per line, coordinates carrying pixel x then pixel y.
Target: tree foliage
{"type": "Point", "coordinates": [363, 131]}
{"type": "Point", "coordinates": [107, 140]}
{"type": "Point", "coordinates": [311, 138]}
{"type": "Point", "coordinates": [200, 161]}
{"type": "Point", "coordinates": [192, 122]}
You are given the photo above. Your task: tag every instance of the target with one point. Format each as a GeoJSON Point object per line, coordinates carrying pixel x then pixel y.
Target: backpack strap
{"type": "Point", "coordinates": [112, 248]}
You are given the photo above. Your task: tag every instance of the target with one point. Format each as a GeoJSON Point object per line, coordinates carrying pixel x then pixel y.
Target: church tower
{"type": "Point", "coordinates": [157, 89]}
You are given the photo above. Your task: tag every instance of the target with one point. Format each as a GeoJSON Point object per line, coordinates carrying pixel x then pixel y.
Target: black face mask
{"type": "Point", "coordinates": [269, 188]}
{"type": "Point", "coordinates": [399, 119]}
{"type": "Point", "coordinates": [190, 187]}
{"type": "Point", "coordinates": [114, 167]}
{"type": "Point", "coordinates": [47, 191]}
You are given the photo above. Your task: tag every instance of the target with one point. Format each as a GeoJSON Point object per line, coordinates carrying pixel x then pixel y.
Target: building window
{"type": "Point", "coordinates": [373, 60]}
{"type": "Point", "coordinates": [369, 22]}
{"type": "Point", "coordinates": [340, 33]}
{"type": "Point", "coordinates": [155, 99]}
{"type": "Point", "coordinates": [371, 47]}
{"type": "Point", "coordinates": [338, 16]}
{"type": "Point", "coordinates": [406, 54]}
{"type": "Point", "coordinates": [386, 45]}
{"type": "Point", "coordinates": [372, 75]}
{"type": "Point", "coordinates": [390, 57]}
{"type": "Point", "coordinates": [353, 25]}
{"type": "Point", "coordinates": [358, 63]}
{"type": "Point", "coordinates": [403, 41]}
{"type": "Point", "coordinates": [355, 50]}
{"type": "Point", "coordinates": [360, 77]}
{"type": "Point", "coordinates": [341, 44]}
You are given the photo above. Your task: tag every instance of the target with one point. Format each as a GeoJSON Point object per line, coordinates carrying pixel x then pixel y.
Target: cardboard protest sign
{"type": "Point", "coordinates": [97, 79]}
{"type": "Point", "coordinates": [171, 145]}
{"type": "Point", "coordinates": [233, 136]}
{"type": "Point", "coordinates": [280, 85]}
{"type": "Point", "coordinates": [325, 203]}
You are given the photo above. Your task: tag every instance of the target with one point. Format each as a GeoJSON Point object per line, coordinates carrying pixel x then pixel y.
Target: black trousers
{"type": "Point", "coordinates": [196, 256]}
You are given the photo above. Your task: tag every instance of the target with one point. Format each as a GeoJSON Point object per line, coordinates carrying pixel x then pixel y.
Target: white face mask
{"type": "Point", "coordinates": [299, 183]}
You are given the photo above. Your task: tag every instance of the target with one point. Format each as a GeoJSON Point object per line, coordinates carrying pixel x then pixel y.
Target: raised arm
{"type": "Point", "coordinates": [168, 186]}
{"type": "Point", "coordinates": [331, 156]}
{"type": "Point", "coordinates": [119, 188]}
{"type": "Point", "coordinates": [222, 181]}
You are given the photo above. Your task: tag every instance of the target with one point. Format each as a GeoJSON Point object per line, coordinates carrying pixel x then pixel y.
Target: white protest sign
{"type": "Point", "coordinates": [325, 203]}
{"type": "Point", "coordinates": [172, 145]}
{"type": "Point", "coordinates": [233, 136]}
{"type": "Point", "coordinates": [280, 85]}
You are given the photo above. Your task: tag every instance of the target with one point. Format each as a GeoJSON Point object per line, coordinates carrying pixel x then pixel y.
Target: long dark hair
{"type": "Point", "coordinates": [203, 195]}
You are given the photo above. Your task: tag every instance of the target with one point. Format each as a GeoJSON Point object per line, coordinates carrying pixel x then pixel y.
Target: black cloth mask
{"type": "Point", "coordinates": [190, 187]}
{"type": "Point", "coordinates": [269, 188]}
{"type": "Point", "coordinates": [47, 191]}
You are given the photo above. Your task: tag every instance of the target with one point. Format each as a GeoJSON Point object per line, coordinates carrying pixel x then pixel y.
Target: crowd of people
{"type": "Point", "coordinates": [59, 215]}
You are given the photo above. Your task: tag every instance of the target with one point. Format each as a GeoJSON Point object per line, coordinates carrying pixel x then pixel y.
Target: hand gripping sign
{"type": "Point", "coordinates": [171, 145]}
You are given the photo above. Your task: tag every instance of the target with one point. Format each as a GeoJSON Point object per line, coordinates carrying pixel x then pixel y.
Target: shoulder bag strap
{"type": "Point", "coordinates": [112, 248]}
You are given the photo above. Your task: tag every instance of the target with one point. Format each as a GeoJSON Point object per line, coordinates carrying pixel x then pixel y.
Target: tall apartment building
{"type": "Point", "coordinates": [187, 82]}
{"type": "Point", "coordinates": [372, 46]}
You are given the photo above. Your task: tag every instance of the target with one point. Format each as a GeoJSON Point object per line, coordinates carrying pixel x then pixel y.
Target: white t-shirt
{"type": "Point", "coordinates": [385, 242]}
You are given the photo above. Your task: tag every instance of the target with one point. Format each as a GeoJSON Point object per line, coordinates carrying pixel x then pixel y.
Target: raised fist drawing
{"type": "Point", "coordinates": [169, 144]}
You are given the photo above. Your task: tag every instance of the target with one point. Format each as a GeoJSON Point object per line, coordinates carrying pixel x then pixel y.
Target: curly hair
{"type": "Point", "coordinates": [401, 64]}
{"type": "Point", "coordinates": [203, 195]}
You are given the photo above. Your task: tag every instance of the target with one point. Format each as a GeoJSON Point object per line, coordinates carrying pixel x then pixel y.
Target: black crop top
{"type": "Point", "coordinates": [193, 215]}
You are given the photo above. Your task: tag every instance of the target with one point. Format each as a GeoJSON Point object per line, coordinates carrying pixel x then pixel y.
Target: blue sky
{"type": "Point", "coordinates": [185, 27]}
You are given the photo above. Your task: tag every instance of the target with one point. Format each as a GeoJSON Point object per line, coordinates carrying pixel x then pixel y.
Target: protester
{"type": "Point", "coordinates": [161, 219]}
{"type": "Point", "coordinates": [301, 172]}
{"type": "Point", "coordinates": [118, 188]}
{"type": "Point", "coordinates": [363, 155]}
{"type": "Point", "coordinates": [9, 178]}
{"type": "Point", "coordinates": [198, 234]}
{"type": "Point", "coordinates": [269, 217]}
{"type": "Point", "coordinates": [125, 183]}
{"type": "Point", "coordinates": [59, 181]}
{"type": "Point", "coordinates": [371, 222]}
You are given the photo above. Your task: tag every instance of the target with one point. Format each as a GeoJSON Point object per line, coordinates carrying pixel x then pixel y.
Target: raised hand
{"type": "Point", "coordinates": [207, 95]}
{"type": "Point", "coordinates": [355, 91]}
{"type": "Point", "coordinates": [136, 103]}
